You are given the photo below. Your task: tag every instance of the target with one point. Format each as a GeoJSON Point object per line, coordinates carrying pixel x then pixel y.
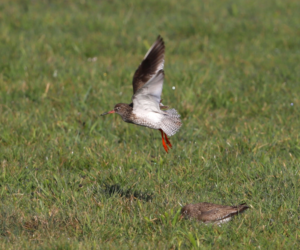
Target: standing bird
{"type": "Point", "coordinates": [145, 109]}
{"type": "Point", "coordinates": [212, 213]}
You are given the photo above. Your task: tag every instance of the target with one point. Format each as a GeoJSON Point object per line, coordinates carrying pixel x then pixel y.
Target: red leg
{"type": "Point", "coordinates": [167, 140]}
{"type": "Point", "coordinates": [163, 141]}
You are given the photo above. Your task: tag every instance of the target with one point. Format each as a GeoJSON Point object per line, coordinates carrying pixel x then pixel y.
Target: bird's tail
{"type": "Point", "coordinates": [171, 122]}
{"type": "Point", "coordinates": [242, 207]}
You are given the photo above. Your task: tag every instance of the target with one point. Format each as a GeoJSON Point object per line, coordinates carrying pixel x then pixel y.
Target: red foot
{"type": "Point", "coordinates": [163, 141]}
{"type": "Point", "coordinates": [167, 140]}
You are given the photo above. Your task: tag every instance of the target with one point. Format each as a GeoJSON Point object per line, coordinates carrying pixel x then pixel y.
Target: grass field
{"type": "Point", "coordinates": [70, 179]}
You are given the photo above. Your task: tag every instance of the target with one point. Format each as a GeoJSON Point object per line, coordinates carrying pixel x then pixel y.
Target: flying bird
{"type": "Point", "coordinates": [146, 108]}
{"type": "Point", "coordinates": [212, 213]}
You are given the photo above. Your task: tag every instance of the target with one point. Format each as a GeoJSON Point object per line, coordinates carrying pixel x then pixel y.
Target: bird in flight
{"type": "Point", "coordinates": [146, 108]}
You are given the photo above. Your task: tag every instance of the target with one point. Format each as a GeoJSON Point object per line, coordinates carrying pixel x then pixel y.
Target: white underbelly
{"type": "Point", "coordinates": [148, 119]}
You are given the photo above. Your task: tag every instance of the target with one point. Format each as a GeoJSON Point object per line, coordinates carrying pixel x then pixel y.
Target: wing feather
{"type": "Point", "coordinates": [148, 96]}
{"type": "Point", "coordinates": [152, 63]}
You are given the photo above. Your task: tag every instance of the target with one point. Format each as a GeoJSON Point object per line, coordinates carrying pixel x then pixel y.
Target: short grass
{"type": "Point", "coordinates": [70, 179]}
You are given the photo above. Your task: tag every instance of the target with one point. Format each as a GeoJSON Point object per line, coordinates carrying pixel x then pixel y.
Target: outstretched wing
{"type": "Point", "coordinates": [153, 62]}
{"type": "Point", "coordinates": [148, 96]}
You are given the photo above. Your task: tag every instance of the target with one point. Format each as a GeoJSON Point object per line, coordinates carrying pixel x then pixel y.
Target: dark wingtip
{"type": "Point", "coordinates": [242, 207]}
{"type": "Point", "coordinates": [159, 37]}
{"type": "Point", "coordinates": [160, 40]}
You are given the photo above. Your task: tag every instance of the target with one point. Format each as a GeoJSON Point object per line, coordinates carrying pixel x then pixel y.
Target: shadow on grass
{"type": "Point", "coordinates": [128, 193]}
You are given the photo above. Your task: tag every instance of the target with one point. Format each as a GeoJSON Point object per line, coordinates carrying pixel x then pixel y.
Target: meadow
{"type": "Point", "coordinates": [70, 179]}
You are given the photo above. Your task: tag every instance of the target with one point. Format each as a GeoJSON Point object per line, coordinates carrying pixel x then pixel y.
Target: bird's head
{"type": "Point", "coordinates": [120, 108]}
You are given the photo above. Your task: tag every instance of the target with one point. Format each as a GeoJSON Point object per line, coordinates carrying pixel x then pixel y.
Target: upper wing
{"type": "Point", "coordinates": [211, 215]}
{"type": "Point", "coordinates": [148, 96]}
{"type": "Point", "coordinates": [152, 63]}
{"type": "Point", "coordinates": [222, 212]}
{"type": "Point", "coordinates": [206, 206]}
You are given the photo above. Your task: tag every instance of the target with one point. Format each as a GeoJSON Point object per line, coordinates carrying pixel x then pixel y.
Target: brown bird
{"type": "Point", "coordinates": [212, 213]}
{"type": "Point", "coordinates": [145, 109]}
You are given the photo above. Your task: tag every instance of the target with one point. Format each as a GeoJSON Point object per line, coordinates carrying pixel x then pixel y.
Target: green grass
{"type": "Point", "coordinates": [70, 179]}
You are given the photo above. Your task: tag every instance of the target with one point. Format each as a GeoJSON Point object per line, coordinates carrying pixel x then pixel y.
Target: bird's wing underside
{"type": "Point", "coordinates": [152, 63]}
{"type": "Point", "coordinates": [148, 96]}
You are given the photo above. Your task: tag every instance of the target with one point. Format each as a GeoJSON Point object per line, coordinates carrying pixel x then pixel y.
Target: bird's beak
{"type": "Point", "coordinates": [109, 112]}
